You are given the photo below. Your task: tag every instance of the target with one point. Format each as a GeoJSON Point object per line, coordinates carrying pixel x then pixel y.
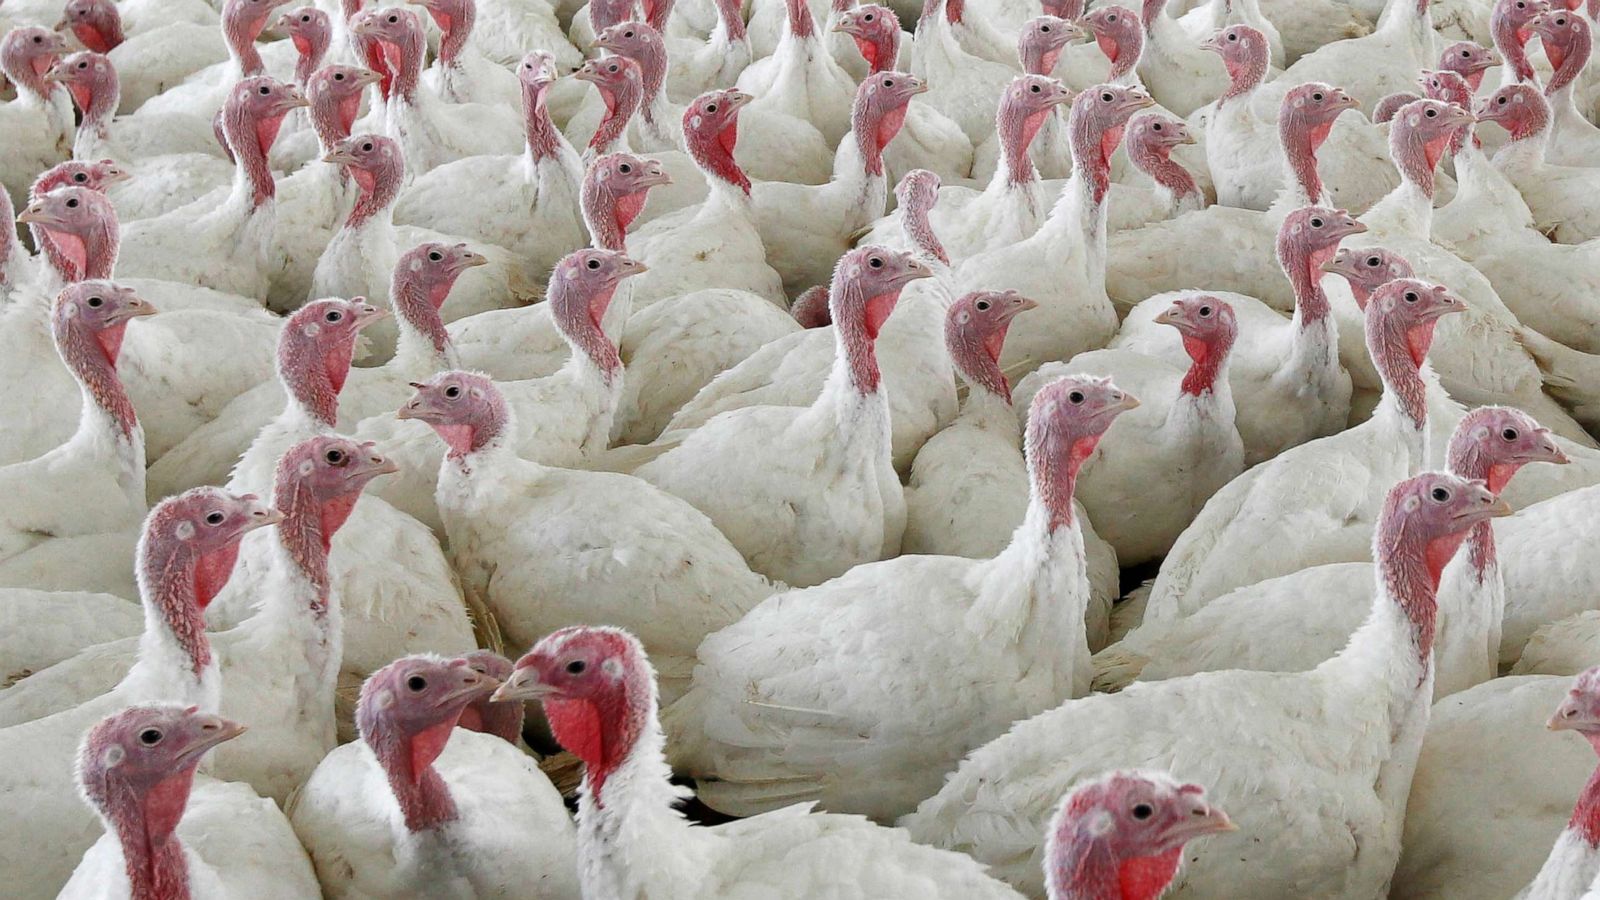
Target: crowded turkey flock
{"type": "Point", "coordinates": [800, 449]}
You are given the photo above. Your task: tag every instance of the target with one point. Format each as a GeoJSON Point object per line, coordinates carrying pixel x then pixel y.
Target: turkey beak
{"type": "Point", "coordinates": [473, 260]}
{"type": "Point", "coordinates": [1350, 228]}
{"type": "Point", "coordinates": [261, 515]}
{"type": "Point", "coordinates": [115, 176]}
{"type": "Point", "coordinates": [737, 99]}
{"type": "Point", "coordinates": [414, 408]}
{"type": "Point", "coordinates": [1213, 43]}
{"type": "Point", "coordinates": [475, 685]}
{"type": "Point", "coordinates": [35, 215]}
{"type": "Point", "coordinates": [375, 463]}
{"type": "Point", "coordinates": [1203, 820]}
{"type": "Point", "coordinates": [632, 267]}
{"type": "Point", "coordinates": [137, 307]}
{"type": "Point", "coordinates": [366, 77]}
{"type": "Point", "coordinates": [293, 98]}
{"type": "Point", "coordinates": [917, 85]}
{"type": "Point", "coordinates": [1343, 101]}
{"type": "Point", "coordinates": [1127, 402]}
{"type": "Point", "coordinates": [1172, 315]}
{"type": "Point", "coordinates": [845, 25]}
{"type": "Point", "coordinates": [1495, 58]}
{"type": "Point", "coordinates": [1461, 117]}
{"type": "Point", "coordinates": [1548, 451]}
{"type": "Point", "coordinates": [341, 155]}
{"type": "Point", "coordinates": [655, 176]}
{"type": "Point", "coordinates": [523, 685]}
{"type": "Point", "coordinates": [213, 730]}
{"type": "Point", "coordinates": [366, 314]}
{"type": "Point", "coordinates": [1572, 717]}
{"type": "Point", "coordinates": [1187, 138]}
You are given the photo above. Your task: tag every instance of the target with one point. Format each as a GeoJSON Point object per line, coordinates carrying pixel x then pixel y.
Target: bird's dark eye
{"type": "Point", "coordinates": [1111, 18]}
{"type": "Point", "coordinates": [875, 262]}
{"type": "Point", "coordinates": [83, 65]}
{"type": "Point", "coordinates": [150, 737]}
{"type": "Point", "coordinates": [1411, 296]}
{"type": "Point", "coordinates": [73, 203]}
{"type": "Point", "coordinates": [452, 392]}
{"type": "Point", "coordinates": [305, 18]}
{"type": "Point", "coordinates": [594, 264]}
{"type": "Point", "coordinates": [627, 34]}
{"type": "Point", "coordinates": [1500, 100]}
{"type": "Point", "coordinates": [393, 19]}
{"type": "Point", "coordinates": [435, 255]}
{"type": "Point", "coordinates": [1440, 494]}
{"type": "Point", "coordinates": [95, 302]}
{"type": "Point", "coordinates": [888, 82]}
{"type": "Point", "coordinates": [611, 68]}
{"type": "Point", "coordinates": [338, 76]}
{"type": "Point", "coordinates": [982, 304]}
{"type": "Point", "coordinates": [867, 18]}
{"type": "Point", "coordinates": [1205, 312]}
{"type": "Point", "coordinates": [1431, 113]}
{"type": "Point", "coordinates": [1317, 96]}
{"type": "Point", "coordinates": [1466, 54]}
{"type": "Point", "coordinates": [576, 667]}
{"type": "Point", "coordinates": [367, 147]}
{"type": "Point", "coordinates": [1316, 221]}
{"type": "Point", "coordinates": [1143, 811]}
{"type": "Point", "coordinates": [1509, 434]}
{"type": "Point", "coordinates": [335, 457]}
{"type": "Point", "coordinates": [80, 178]}
{"type": "Point", "coordinates": [625, 168]}
{"type": "Point", "coordinates": [1233, 37]}
{"type": "Point", "coordinates": [1075, 397]}
{"type": "Point", "coordinates": [1156, 127]}
{"type": "Point", "coordinates": [37, 39]}
{"type": "Point", "coordinates": [214, 518]}
{"type": "Point", "coordinates": [1045, 28]}
{"type": "Point", "coordinates": [417, 684]}
{"type": "Point", "coordinates": [1106, 97]}
{"type": "Point", "coordinates": [265, 90]}
{"type": "Point", "coordinates": [1034, 87]}
{"type": "Point", "coordinates": [1374, 262]}
{"type": "Point", "coordinates": [334, 316]}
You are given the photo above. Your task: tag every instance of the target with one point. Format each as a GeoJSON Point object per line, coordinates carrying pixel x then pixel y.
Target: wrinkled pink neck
{"type": "Point", "coordinates": [379, 188]}
{"type": "Point", "coordinates": [240, 31]}
{"type": "Point", "coordinates": [1089, 870]}
{"type": "Point", "coordinates": [145, 823]}
{"type": "Point", "coordinates": [955, 11]}
{"type": "Point", "coordinates": [731, 17]}
{"type": "Point", "coordinates": [8, 238]}
{"type": "Point", "coordinates": [1149, 12]}
{"type": "Point", "coordinates": [1206, 361]}
{"type": "Point", "coordinates": [856, 319]}
{"type": "Point", "coordinates": [405, 63]}
{"type": "Point", "coordinates": [544, 142]}
{"type": "Point", "coordinates": [874, 128]}
{"type": "Point", "coordinates": [1245, 74]}
{"type": "Point", "coordinates": [28, 79]}
{"type": "Point", "coordinates": [608, 214]}
{"type": "Point", "coordinates": [312, 47]}
{"type": "Point", "coordinates": [1055, 453]}
{"type": "Point", "coordinates": [1410, 570]}
{"type": "Point", "coordinates": [417, 302]}
{"type": "Point", "coordinates": [978, 362]}
{"type": "Point", "coordinates": [1304, 268]}
{"type": "Point", "coordinates": [1157, 162]}
{"type": "Point", "coordinates": [332, 116]}
{"type": "Point", "coordinates": [1467, 459]}
{"type": "Point", "coordinates": [455, 26]}
{"type": "Point", "coordinates": [810, 309]}
{"type": "Point", "coordinates": [1071, 10]}
{"type": "Point", "coordinates": [880, 48]}
{"type": "Point", "coordinates": [1511, 38]}
{"type": "Point", "coordinates": [1092, 147]}
{"type": "Point", "coordinates": [92, 358]}
{"type": "Point", "coordinates": [1124, 50]}
{"type": "Point", "coordinates": [577, 316]}
{"type": "Point", "coordinates": [81, 255]}
{"type": "Point", "coordinates": [306, 534]}
{"type": "Point", "coordinates": [250, 139]}
{"type": "Point", "coordinates": [103, 33]}
{"type": "Point", "coordinates": [1300, 144]}
{"type": "Point", "coordinates": [407, 761]}
{"type": "Point", "coordinates": [1586, 813]}
{"type": "Point", "coordinates": [314, 374]}
{"type": "Point", "coordinates": [1569, 55]}
{"type": "Point", "coordinates": [1018, 128]}
{"type": "Point", "coordinates": [622, 99]}
{"type": "Point", "coordinates": [801, 25]}
{"type": "Point", "coordinates": [1416, 158]}
{"type": "Point", "coordinates": [1532, 123]}
{"type": "Point", "coordinates": [605, 13]}
{"type": "Point", "coordinates": [98, 99]}
{"type": "Point", "coordinates": [1038, 57]}
{"type": "Point", "coordinates": [714, 154]}
{"type": "Point", "coordinates": [652, 62]}
{"type": "Point", "coordinates": [919, 231]}
{"type": "Point", "coordinates": [1395, 352]}
{"type": "Point", "coordinates": [656, 13]}
{"type": "Point", "coordinates": [179, 585]}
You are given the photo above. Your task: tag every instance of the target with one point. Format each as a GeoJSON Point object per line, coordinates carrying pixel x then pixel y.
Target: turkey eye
{"type": "Point", "coordinates": [624, 168]}
{"type": "Point", "coordinates": [576, 667]}
{"type": "Point", "coordinates": [1500, 100]}
{"type": "Point", "coordinates": [1317, 96]}
{"type": "Point", "coordinates": [1075, 397]}
{"type": "Point", "coordinates": [888, 82]}
{"type": "Point", "coordinates": [83, 65]}
{"type": "Point", "coordinates": [627, 34]}
{"type": "Point", "coordinates": [1106, 97]}
{"type": "Point", "coordinates": [1156, 127]}
{"type": "Point", "coordinates": [1045, 28]}
{"type": "Point", "coordinates": [875, 262]}
{"type": "Point", "coordinates": [338, 76]}
{"type": "Point", "coordinates": [1411, 296]}
{"type": "Point", "coordinates": [452, 392]}
{"type": "Point", "coordinates": [150, 737]}
{"type": "Point", "coordinates": [393, 19]}
{"type": "Point", "coordinates": [1466, 54]}
{"type": "Point", "coordinates": [80, 178]}
{"type": "Point", "coordinates": [367, 147]}
{"type": "Point", "coordinates": [1205, 312]}
{"type": "Point", "coordinates": [1509, 434]}
{"type": "Point", "coordinates": [335, 457]}
{"type": "Point", "coordinates": [711, 107]}
{"type": "Point", "coordinates": [73, 203]}
{"type": "Point", "coordinates": [867, 17]}
{"type": "Point", "coordinates": [594, 264]}
{"type": "Point", "coordinates": [214, 518]}
{"type": "Point", "coordinates": [1233, 37]}
{"type": "Point", "coordinates": [417, 684]}
{"type": "Point", "coordinates": [1111, 18]}
{"type": "Point", "coordinates": [611, 68]}
{"type": "Point", "coordinates": [265, 90]}
{"type": "Point", "coordinates": [1034, 88]}
{"type": "Point", "coordinates": [305, 18]}
{"type": "Point", "coordinates": [1374, 261]}
{"type": "Point", "coordinates": [1431, 113]}
{"type": "Point", "coordinates": [95, 302]}
{"type": "Point", "coordinates": [334, 316]}
{"type": "Point", "coordinates": [1440, 494]}
{"type": "Point", "coordinates": [435, 256]}
{"type": "Point", "coordinates": [1316, 222]}
{"type": "Point", "coordinates": [983, 304]}
{"type": "Point", "coordinates": [1143, 811]}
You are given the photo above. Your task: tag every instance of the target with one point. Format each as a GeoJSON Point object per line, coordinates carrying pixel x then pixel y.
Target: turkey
{"type": "Point", "coordinates": [757, 729]}
{"type": "Point", "coordinates": [519, 530]}
{"type": "Point", "coordinates": [151, 60]}
{"type": "Point", "coordinates": [1553, 192]}
{"type": "Point", "coordinates": [136, 769]}
{"type": "Point", "coordinates": [783, 510]}
{"type": "Point", "coordinates": [598, 691]}
{"type": "Point", "coordinates": [1565, 36]}
{"type": "Point", "coordinates": [419, 807]}
{"type": "Point", "coordinates": [38, 123]}
{"type": "Point", "coordinates": [1574, 861]}
{"type": "Point", "coordinates": [1311, 823]}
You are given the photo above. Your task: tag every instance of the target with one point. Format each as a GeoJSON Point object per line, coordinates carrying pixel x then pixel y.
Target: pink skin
{"type": "Point", "coordinates": [1071, 10]}
{"type": "Point", "coordinates": [1308, 239]}
{"type": "Point", "coordinates": [1367, 269]}
{"type": "Point", "coordinates": [866, 286]}
{"type": "Point", "coordinates": [315, 348]}
{"type": "Point", "coordinates": [876, 33]}
{"type": "Point", "coordinates": [96, 176]}
{"type": "Point", "coordinates": [1449, 88]}
{"type": "Point", "coordinates": [8, 238]}
{"type": "Point", "coordinates": [251, 118]}
{"type": "Point", "coordinates": [879, 112]}
{"type": "Point", "coordinates": [711, 130]}
{"type": "Point", "coordinates": [1065, 423]}
{"type": "Point", "coordinates": [335, 96]}
{"type": "Point", "coordinates": [1400, 320]}
{"type": "Point", "coordinates": [801, 25]}
{"type": "Point", "coordinates": [580, 291]}
{"type": "Point", "coordinates": [730, 14]}
{"type": "Point", "coordinates": [1042, 41]}
{"type": "Point", "coordinates": [455, 19]}
{"type": "Point", "coordinates": [465, 409]}
{"type": "Point", "coordinates": [311, 31]}
{"type": "Point", "coordinates": [406, 713]}
{"type": "Point", "coordinates": [1120, 35]}
{"type": "Point", "coordinates": [1508, 26]}
{"type": "Point", "coordinates": [537, 74]}
{"type": "Point", "coordinates": [1420, 135]}
{"type": "Point", "coordinates": [1520, 109]}
{"type": "Point", "coordinates": [316, 486]}
{"type": "Point", "coordinates": [1245, 53]}
{"type": "Point", "coordinates": [1490, 444]}
{"type": "Point", "coordinates": [136, 769]}
{"type": "Point", "coordinates": [621, 85]}
{"type": "Point", "coordinates": [1151, 139]}
{"type": "Point", "coordinates": [186, 556]}
{"type": "Point", "coordinates": [88, 322]}
{"type": "Point", "coordinates": [1469, 60]}
{"type": "Point", "coordinates": [810, 309]}
{"type": "Point", "coordinates": [95, 23]}
{"type": "Point", "coordinates": [1567, 44]}
{"type": "Point", "coordinates": [396, 49]}
{"type": "Point", "coordinates": [1098, 118]}
{"type": "Point", "coordinates": [1209, 328]}
{"type": "Point", "coordinates": [378, 167]}
{"type": "Point", "coordinates": [242, 23]}
{"type": "Point", "coordinates": [1024, 106]}
{"type": "Point", "coordinates": [1424, 521]}
{"type": "Point", "coordinates": [423, 277]}
{"type": "Point", "coordinates": [1580, 712]}
{"type": "Point", "coordinates": [605, 13]}
{"type": "Point", "coordinates": [642, 44]}
{"type": "Point", "coordinates": [657, 12]}
{"type": "Point", "coordinates": [614, 193]}
{"type": "Point", "coordinates": [916, 195]}
{"type": "Point", "coordinates": [91, 79]}
{"type": "Point", "coordinates": [80, 235]}
{"type": "Point", "coordinates": [484, 715]}
{"type": "Point", "coordinates": [1385, 111]}
{"type": "Point", "coordinates": [26, 54]}
{"type": "Point", "coordinates": [1122, 835]}
{"type": "Point", "coordinates": [1305, 119]}
{"type": "Point", "coordinates": [975, 332]}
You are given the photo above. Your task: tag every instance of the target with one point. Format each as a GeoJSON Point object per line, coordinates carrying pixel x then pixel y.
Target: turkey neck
{"type": "Point", "coordinates": [918, 233]}
{"type": "Point", "coordinates": [313, 380]}
{"type": "Point", "coordinates": [310, 49]}
{"type": "Point", "coordinates": [1569, 57]}
{"type": "Point", "coordinates": [729, 186]}
{"type": "Point", "coordinates": [1574, 860]}
{"type": "Point", "coordinates": [1472, 596]}
{"type": "Point", "coordinates": [1017, 130]}
{"type": "Point", "coordinates": [653, 106]}
{"type": "Point", "coordinates": [423, 345]}
{"type": "Point", "coordinates": [145, 823]}
{"type": "Point", "coordinates": [1409, 207]}
{"type": "Point", "coordinates": [374, 208]}
{"type": "Point", "coordinates": [1124, 54]}
{"type": "Point", "coordinates": [802, 27]}
{"type": "Point", "coordinates": [730, 24]}
{"type": "Point", "coordinates": [409, 52]}
{"type": "Point", "coordinates": [332, 116]}
{"type": "Point", "coordinates": [1244, 77]}
{"type": "Point", "coordinates": [1399, 355]}
{"type": "Point", "coordinates": [1510, 38]}
{"type": "Point", "coordinates": [1079, 214]}
{"type": "Point", "coordinates": [543, 140]}
{"type": "Point", "coordinates": [577, 315]}
{"type": "Point", "coordinates": [106, 418]}
{"type": "Point", "coordinates": [455, 27]}
{"type": "Point", "coordinates": [1411, 21]}
{"type": "Point", "coordinates": [250, 139]}
{"type": "Point", "coordinates": [852, 402]}
{"type": "Point", "coordinates": [175, 585]}
{"type": "Point", "coordinates": [858, 164]}
{"type": "Point", "coordinates": [882, 49]}
{"type": "Point", "coordinates": [606, 13]}
{"type": "Point", "coordinates": [622, 102]}
{"type": "Point", "coordinates": [1089, 869]}
{"type": "Point", "coordinates": [1301, 141]}
{"type": "Point", "coordinates": [239, 31]}
{"type": "Point", "coordinates": [608, 214]}
{"type": "Point", "coordinates": [99, 103]}
{"type": "Point", "coordinates": [1172, 180]}
{"type": "Point", "coordinates": [407, 761]}
{"type": "Point", "coordinates": [74, 256]}
{"type": "Point", "coordinates": [1530, 139]}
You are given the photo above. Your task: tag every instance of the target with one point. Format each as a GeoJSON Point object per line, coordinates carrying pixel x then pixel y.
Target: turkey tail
{"type": "Point", "coordinates": [565, 771]}
{"type": "Point", "coordinates": [1115, 668]}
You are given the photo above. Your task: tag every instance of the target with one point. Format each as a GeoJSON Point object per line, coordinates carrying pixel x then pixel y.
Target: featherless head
{"type": "Point", "coordinates": [262, 101]}
{"type": "Point", "coordinates": [147, 755]}
{"type": "Point", "coordinates": [1028, 99]}
{"type": "Point", "coordinates": [28, 52]}
{"type": "Point", "coordinates": [1426, 518]}
{"type": "Point", "coordinates": [327, 469]}
{"type": "Point", "coordinates": [1580, 709]}
{"type": "Point", "coordinates": [624, 174]}
{"type": "Point", "coordinates": [1154, 136]}
{"type": "Point", "coordinates": [918, 189]}
{"type": "Point", "coordinates": [810, 309]}
{"type": "Point", "coordinates": [78, 229]}
{"type": "Point", "coordinates": [1119, 34]}
{"type": "Point", "coordinates": [417, 696]}
{"type": "Point", "coordinates": [612, 75]}
{"type": "Point", "coordinates": [537, 69]}
{"type": "Point", "coordinates": [1408, 309]}
{"type": "Point", "coordinates": [1367, 269]}
{"type": "Point", "coordinates": [464, 408]}
{"type": "Point", "coordinates": [876, 33]}
{"type": "Point", "coordinates": [1123, 833]}
{"type": "Point", "coordinates": [1207, 324]}
{"type": "Point", "coordinates": [634, 39]}
{"type": "Point", "coordinates": [1105, 108]}
{"type": "Point", "coordinates": [1420, 132]}
{"type": "Point", "coordinates": [501, 718]}
{"type": "Point", "coordinates": [390, 24]}
{"type": "Point", "coordinates": [88, 77]}
{"type": "Point", "coordinates": [97, 24]}
{"type": "Point", "coordinates": [1518, 108]}
{"type": "Point", "coordinates": [866, 285]}
{"type": "Point", "coordinates": [428, 271]}
{"type": "Point", "coordinates": [201, 528]}
{"type": "Point", "coordinates": [247, 18]}
{"type": "Point", "coordinates": [307, 26]}
{"type": "Point", "coordinates": [1564, 34]}
{"type": "Point", "coordinates": [1385, 111]}
{"type": "Point", "coordinates": [315, 349]}
{"type": "Point", "coordinates": [1469, 60]}
{"type": "Point", "coordinates": [99, 309]}
{"type": "Point", "coordinates": [1309, 110]}
{"type": "Point", "coordinates": [1042, 41]}
{"type": "Point", "coordinates": [1310, 236]}
{"type": "Point", "coordinates": [371, 158]}
{"type": "Point", "coordinates": [96, 175]}
{"type": "Point", "coordinates": [975, 332]}
{"type": "Point", "coordinates": [711, 130]}
{"type": "Point", "coordinates": [1492, 442]}
{"type": "Point", "coordinates": [879, 112]}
